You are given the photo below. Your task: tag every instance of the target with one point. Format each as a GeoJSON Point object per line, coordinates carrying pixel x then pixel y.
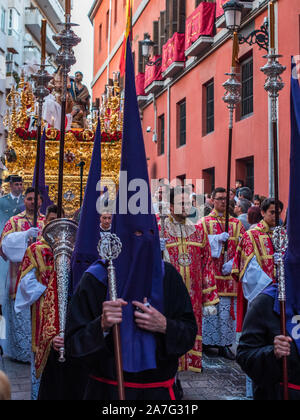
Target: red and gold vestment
{"type": "Point", "coordinates": [257, 243]}
{"type": "Point", "coordinates": [189, 252]}
{"type": "Point", "coordinates": [20, 223]}
{"type": "Point", "coordinates": [44, 312]}
{"type": "Point", "coordinates": [214, 224]}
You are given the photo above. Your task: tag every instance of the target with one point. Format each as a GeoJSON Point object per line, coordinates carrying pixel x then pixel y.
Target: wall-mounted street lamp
{"type": "Point", "coordinates": [233, 17]}
{"type": "Point", "coordinates": [147, 47]}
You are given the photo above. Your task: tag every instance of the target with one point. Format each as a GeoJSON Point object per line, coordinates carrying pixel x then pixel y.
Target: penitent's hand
{"type": "Point", "coordinates": [112, 313]}
{"type": "Point", "coordinates": [58, 343]}
{"type": "Point", "coordinates": [149, 319]}
{"type": "Point", "coordinates": [282, 346]}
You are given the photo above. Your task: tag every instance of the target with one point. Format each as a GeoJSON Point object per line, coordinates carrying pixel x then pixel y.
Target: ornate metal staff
{"type": "Point", "coordinates": [64, 59]}
{"type": "Point", "coordinates": [42, 79]}
{"type": "Point", "coordinates": [274, 84]}
{"type": "Point", "coordinates": [109, 249]}
{"type": "Point", "coordinates": [232, 98]}
{"type": "Point", "coordinates": [280, 242]}
{"type": "Point", "coordinates": [61, 236]}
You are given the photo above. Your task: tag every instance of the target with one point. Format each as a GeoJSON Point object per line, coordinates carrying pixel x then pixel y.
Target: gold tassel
{"type": "Point", "coordinates": [235, 50]}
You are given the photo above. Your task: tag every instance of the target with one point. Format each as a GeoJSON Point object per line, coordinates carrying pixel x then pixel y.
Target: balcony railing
{"type": "Point", "coordinates": [13, 41]}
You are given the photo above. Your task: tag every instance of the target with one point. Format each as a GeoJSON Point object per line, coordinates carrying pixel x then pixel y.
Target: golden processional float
{"type": "Point", "coordinates": [20, 154]}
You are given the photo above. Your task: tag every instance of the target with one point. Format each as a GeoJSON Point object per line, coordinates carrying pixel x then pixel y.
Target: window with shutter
{"type": "Point", "coordinates": [162, 31]}
{"type": "Point", "coordinates": [174, 17]}
{"type": "Point", "coordinates": [161, 135]}
{"type": "Point", "coordinates": [181, 123]}
{"type": "Point", "coordinates": [141, 63]}
{"type": "Point", "coordinates": [167, 22]}
{"type": "Point", "coordinates": [181, 16]}
{"type": "Point", "coordinates": [155, 37]}
{"type": "Point", "coordinates": [247, 87]}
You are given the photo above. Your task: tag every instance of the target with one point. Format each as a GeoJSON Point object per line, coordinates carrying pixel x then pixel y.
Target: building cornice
{"type": "Point", "coordinates": [94, 9]}
{"type": "Point", "coordinates": [221, 38]}
{"type": "Point", "coordinates": [259, 7]}
{"type": "Point", "coordinates": [142, 6]}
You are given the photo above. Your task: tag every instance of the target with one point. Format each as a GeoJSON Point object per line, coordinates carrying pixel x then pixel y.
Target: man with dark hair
{"type": "Point", "coordinates": [254, 262]}
{"type": "Point", "coordinates": [17, 235]}
{"type": "Point", "coordinates": [51, 213]}
{"type": "Point", "coordinates": [241, 211]}
{"type": "Point", "coordinates": [219, 330]}
{"type": "Point", "coordinates": [10, 205]}
{"type": "Point", "coordinates": [37, 289]}
{"type": "Point", "coordinates": [189, 252]}
{"type": "Point", "coordinates": [238, 185]}
{"type": "Point", "coordinates": [257, 200]}
{"type": "Point", "coordinates": [245, 193]}
{"type": "Point", "coordinates": [208, 206]}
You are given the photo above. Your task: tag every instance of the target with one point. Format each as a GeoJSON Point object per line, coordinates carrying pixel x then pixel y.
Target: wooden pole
{"type": "Point", "coordinates": [284, 360]}
{"type": "Point", "coordinates": [234, 61]}
{"type": "Point", "coordinates": [39, 128]}
{"type": "Point", "coordinates": [276, 172]}
{"type": "Point", "coordinates": [119, 362]}
{"type": "Point", "coordinates": [116, 330]}
{"type": "Point", "coordinates": [37, 170]}
{"type": "Point", "coordinates": [43, 36]}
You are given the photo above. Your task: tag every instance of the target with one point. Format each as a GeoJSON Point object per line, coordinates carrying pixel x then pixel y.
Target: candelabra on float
{"type": "Point", "coordinates": [65, 58]}
{"type": "Point", "coordinates": [61, 233]}
{"type": "Point", "coordinates": [42, 79]}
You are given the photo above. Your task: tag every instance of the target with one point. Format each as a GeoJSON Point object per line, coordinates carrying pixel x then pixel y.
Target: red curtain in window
{"type": "Point", "coordinates": [200, 23]}
{"type": "Point", "coordinates": [153, 73]}
{"type": "Point", "coordinates": [173, 51]}
{"type": "Point", "coordinates": [140, 84]}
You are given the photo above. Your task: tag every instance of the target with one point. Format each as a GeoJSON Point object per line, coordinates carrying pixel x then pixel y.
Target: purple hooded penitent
{"type": "Point", "coordinates": [139, 269]}
{"type": "Point", "coordinates": [85, 251]}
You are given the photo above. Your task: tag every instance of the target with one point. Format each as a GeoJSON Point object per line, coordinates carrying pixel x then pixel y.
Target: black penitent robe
{"type": "Point", "coordinates": [255, 353]}
{"type": "Point", "coordinates": [62, 381]}
{"type": "Point", "coordinates": [85, 339]}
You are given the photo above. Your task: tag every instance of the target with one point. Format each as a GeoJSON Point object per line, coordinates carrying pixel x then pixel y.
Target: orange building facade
{"type": "Point", "coordinates": [184, 118]}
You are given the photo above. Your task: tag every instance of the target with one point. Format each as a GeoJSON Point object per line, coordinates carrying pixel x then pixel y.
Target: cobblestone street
{"type": "Point", "coordinates": [221, 380]}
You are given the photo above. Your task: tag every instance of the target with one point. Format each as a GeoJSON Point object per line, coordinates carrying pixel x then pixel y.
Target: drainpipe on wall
{"type": "Point", "coordinates": [154, 138]}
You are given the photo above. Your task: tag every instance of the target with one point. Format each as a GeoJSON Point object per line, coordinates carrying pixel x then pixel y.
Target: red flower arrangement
{"type": "Point", "coordinates": [26, 135]}
{"type": "Point", "coordinates": [49, 135]}
{"type": "Point", "coordinates": [111, 138]}
{"type": "Point", "coordinates": [79, 135]}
